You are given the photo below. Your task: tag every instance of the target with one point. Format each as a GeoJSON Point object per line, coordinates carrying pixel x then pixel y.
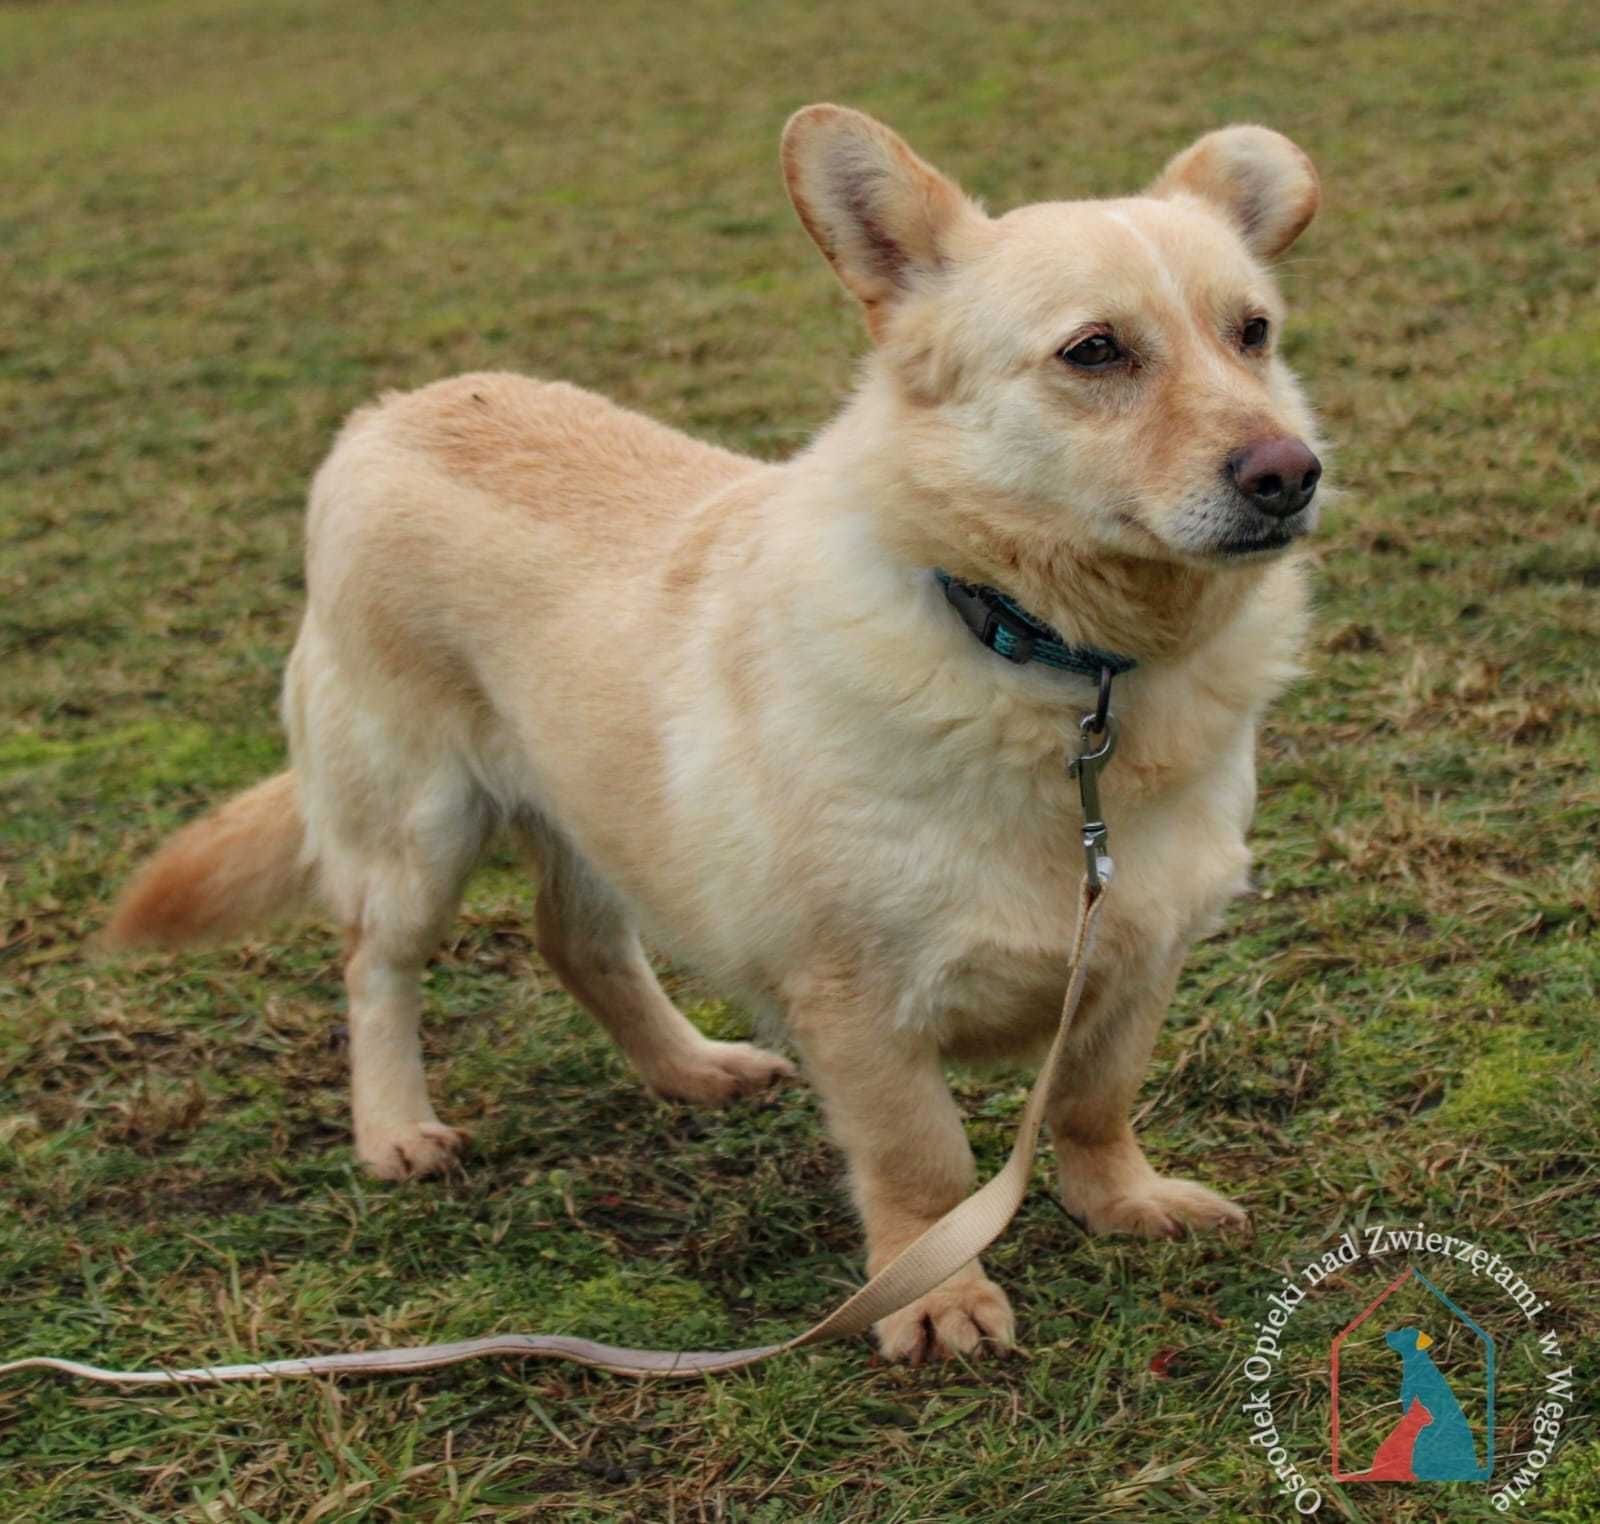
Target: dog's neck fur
{"type": "Point", "coordinates": [1150, 609]}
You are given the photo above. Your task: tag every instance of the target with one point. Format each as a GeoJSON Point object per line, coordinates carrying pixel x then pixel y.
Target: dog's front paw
{"type": "Point", "coordinates": [717, 1072]}
{"type": "Point", "coordinates": [960, 1317]}
{"type": "Point", "coordinates": [409, 1149]}
{"type": "Point", "coordinates": [1157, 1207]}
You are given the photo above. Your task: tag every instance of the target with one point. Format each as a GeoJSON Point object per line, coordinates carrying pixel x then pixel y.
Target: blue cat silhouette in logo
{"type": "Point", "coordinates": [1443, 1450]}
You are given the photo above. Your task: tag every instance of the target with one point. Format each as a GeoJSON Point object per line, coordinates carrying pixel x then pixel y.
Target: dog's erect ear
{"type": "Point", "coordinates": [879, 214]}
{"type": "Point", "coordinates": [1255, 177]}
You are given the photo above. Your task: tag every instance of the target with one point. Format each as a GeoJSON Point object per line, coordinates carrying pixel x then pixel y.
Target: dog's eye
{"type": "Point", "coordinates": [1254, 333]}
{"type": "Point", "coordinates": [1093, 353]}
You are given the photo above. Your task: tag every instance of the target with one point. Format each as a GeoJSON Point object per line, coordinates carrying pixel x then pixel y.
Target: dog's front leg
{"type": "Point", "coordinates": [1107, 1184]}
{"type": "Point", "coordinates": [892, 1113]}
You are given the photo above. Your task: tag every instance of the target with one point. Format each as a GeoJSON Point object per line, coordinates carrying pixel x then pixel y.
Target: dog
{"type": "Point", "coordinates": [760, 714]}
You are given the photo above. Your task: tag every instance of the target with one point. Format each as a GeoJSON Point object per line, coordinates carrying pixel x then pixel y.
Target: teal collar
{"type": "Point", "coordinates": [1008, 629]}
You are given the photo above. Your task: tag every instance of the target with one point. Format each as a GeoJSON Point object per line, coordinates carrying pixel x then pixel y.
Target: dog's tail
{"type": "Point", "coordinates": [241, 867]}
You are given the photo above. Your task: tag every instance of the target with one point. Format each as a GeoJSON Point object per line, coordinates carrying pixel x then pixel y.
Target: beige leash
{"type": "Point", "coordinates": [958, 1237]}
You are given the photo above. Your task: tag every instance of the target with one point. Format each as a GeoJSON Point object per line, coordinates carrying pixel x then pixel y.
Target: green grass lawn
{"type": "Point", "coordinates": [225, 225]}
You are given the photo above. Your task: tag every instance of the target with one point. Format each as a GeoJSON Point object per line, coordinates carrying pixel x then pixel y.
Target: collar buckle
{"type": "Point", "coordinates": [1000, 625]}
{"type": "Point", "coordinates": [989, 622]}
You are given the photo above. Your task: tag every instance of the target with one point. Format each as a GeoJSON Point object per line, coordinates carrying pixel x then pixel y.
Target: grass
{"type": "Point", "coordinates": [226, 225]}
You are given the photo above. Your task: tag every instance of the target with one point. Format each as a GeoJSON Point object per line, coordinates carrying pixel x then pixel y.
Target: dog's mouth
{"type": "Point", "coordinates": [1259, 535]}
{"type": "Point", "coordinates": [1266, 544]}
{"type": "Point", "coordinates": [1208, 531]}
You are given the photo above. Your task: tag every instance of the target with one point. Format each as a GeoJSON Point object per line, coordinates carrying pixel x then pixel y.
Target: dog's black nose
{"type": "Point", "coordinates": [1279, 476]}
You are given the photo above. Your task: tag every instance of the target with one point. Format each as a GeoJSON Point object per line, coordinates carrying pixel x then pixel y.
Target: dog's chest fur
{"type": "Point", "coordinates": [908, 812]}
{"type": "Point", "coordinates": [988, 977]}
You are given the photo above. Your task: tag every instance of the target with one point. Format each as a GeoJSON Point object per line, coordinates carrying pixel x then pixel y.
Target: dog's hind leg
{"type": "Point", "coordinates": [592, 946]}
{"type": "Point", "coordinates": [400, 924]}
{"type": "Point", "coordinates": [404, 896]}
{"type": "Point", "coordinates": [395, 822]}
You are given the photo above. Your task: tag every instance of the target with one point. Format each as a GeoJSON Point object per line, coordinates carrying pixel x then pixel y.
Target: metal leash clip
{"type": "Point", "coordinates": [1099, 743]}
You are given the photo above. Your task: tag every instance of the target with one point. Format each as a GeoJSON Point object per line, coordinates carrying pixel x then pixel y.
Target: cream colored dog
{"type": "Point", "coordinates": [729, 704]}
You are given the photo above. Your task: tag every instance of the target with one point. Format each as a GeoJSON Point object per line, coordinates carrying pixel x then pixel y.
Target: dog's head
{"type": "Point", "coordinates": [1108, 368]}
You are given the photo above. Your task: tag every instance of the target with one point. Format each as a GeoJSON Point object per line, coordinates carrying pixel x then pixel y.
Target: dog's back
{"type": "Point", "coordinates": [606, 486]}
